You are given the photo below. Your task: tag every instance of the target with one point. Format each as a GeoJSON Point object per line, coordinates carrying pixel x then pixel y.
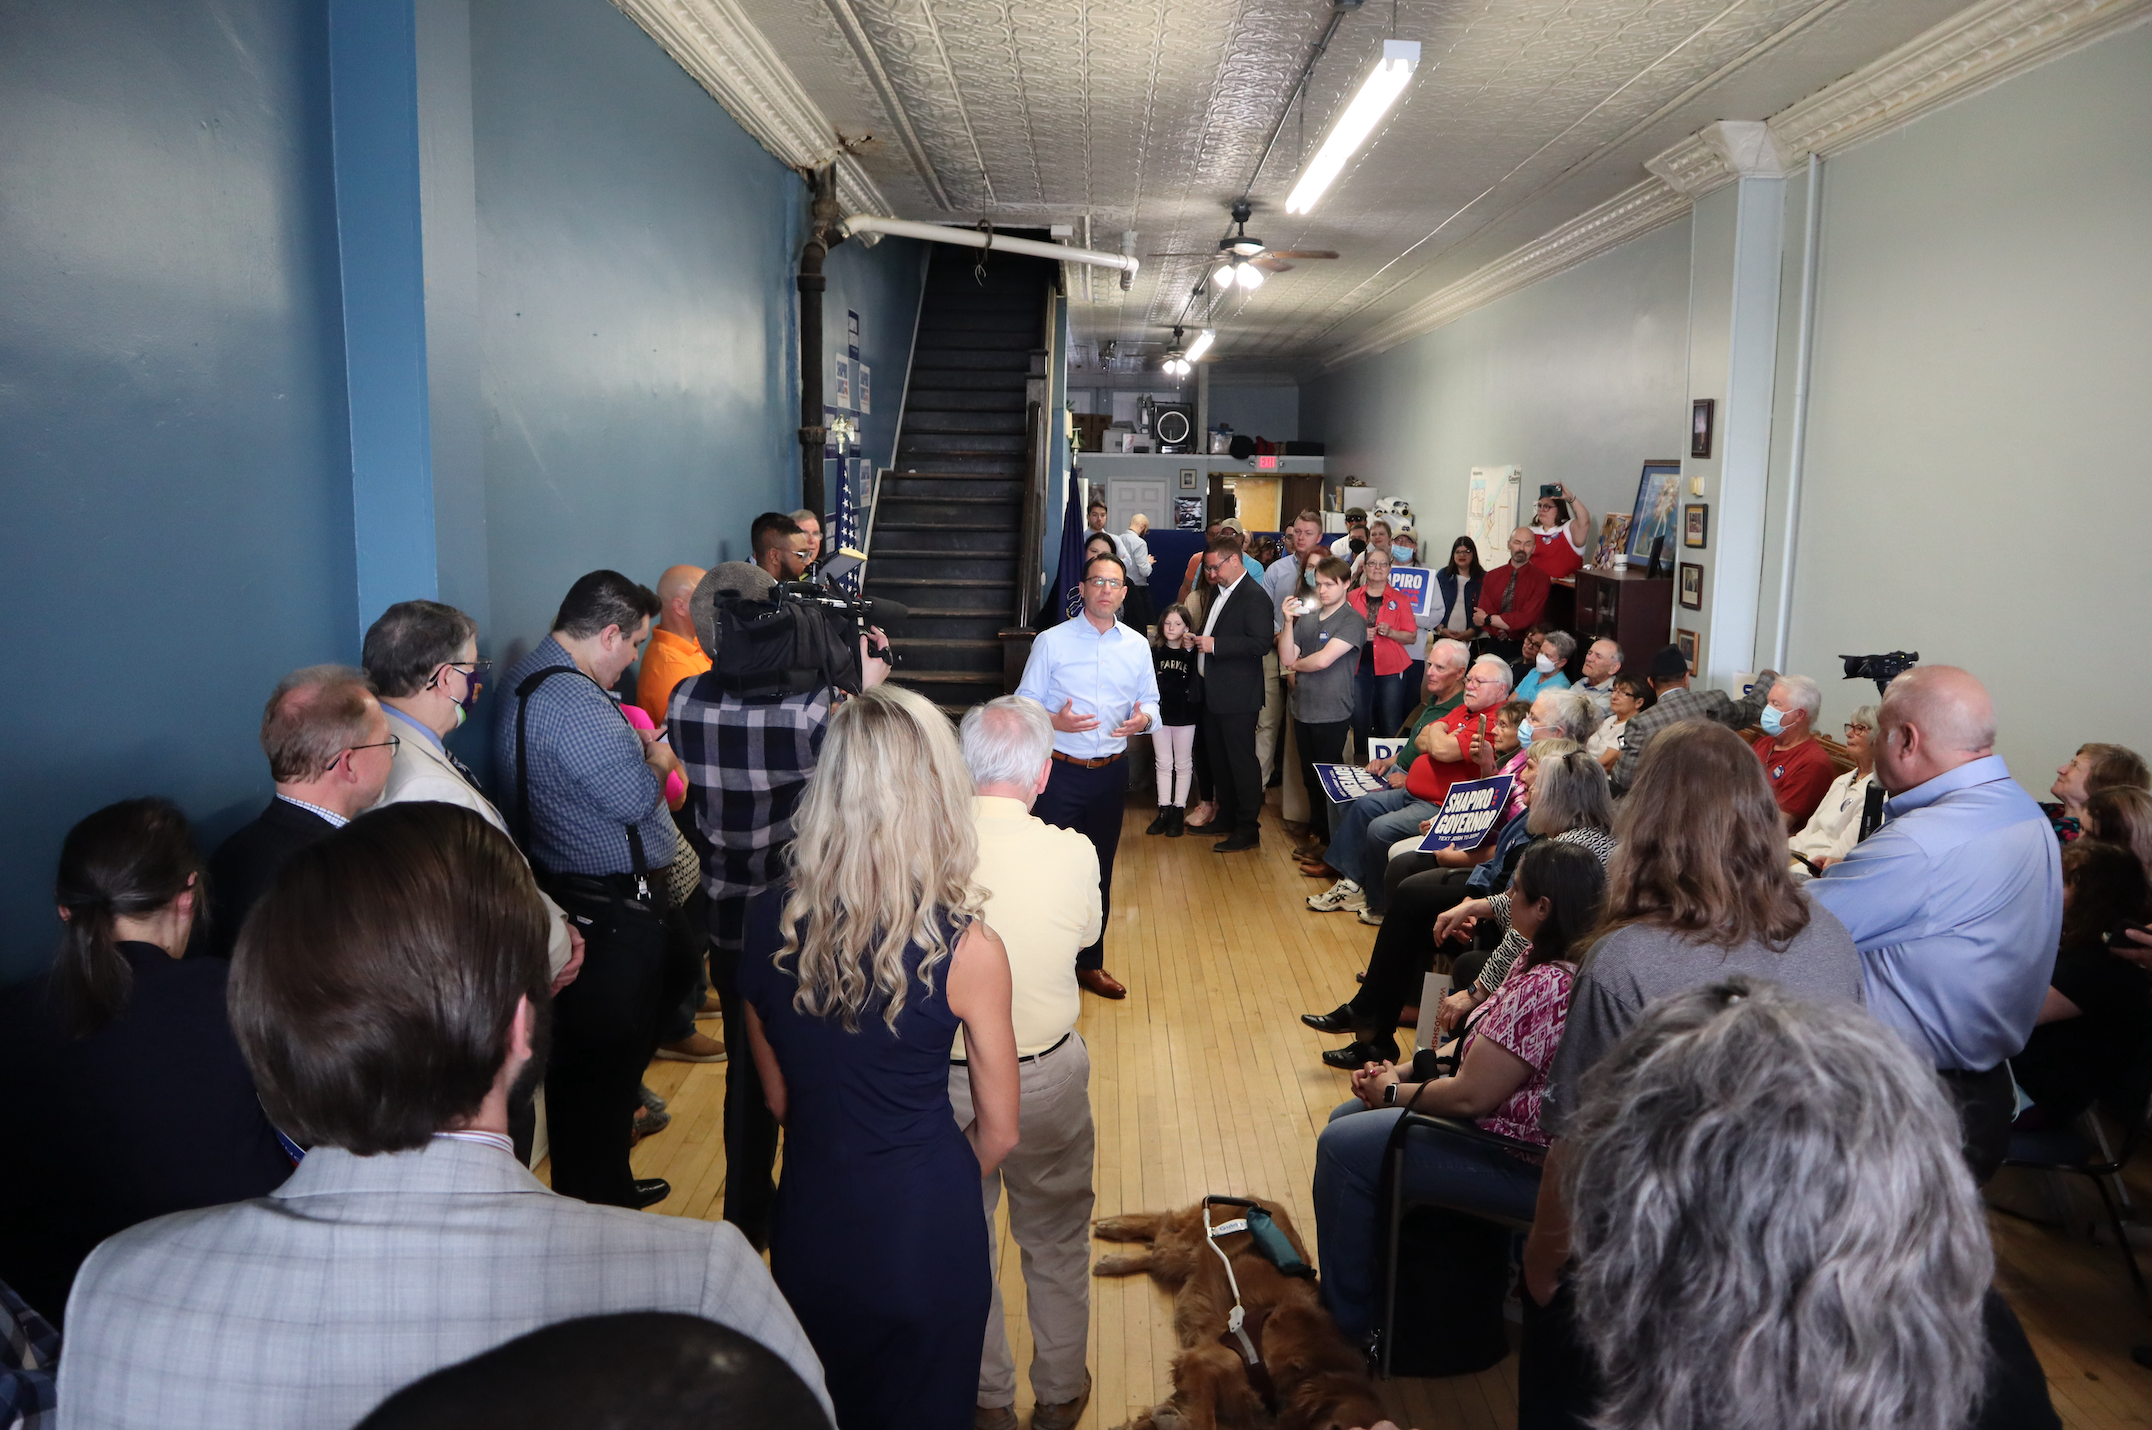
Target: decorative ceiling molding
{"type": "Point", "coordinates": [716, 43]}
{"type": "Point", "coordinates": [1629, 214]}
{"type": "Point", "coordinates": [1972, 51]}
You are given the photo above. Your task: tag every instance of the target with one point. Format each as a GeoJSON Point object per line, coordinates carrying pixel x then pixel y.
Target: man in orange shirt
{"type": "Point", "coordinates": [674, 654]}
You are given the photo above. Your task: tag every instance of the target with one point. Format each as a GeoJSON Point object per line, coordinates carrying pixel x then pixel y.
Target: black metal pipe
{"type": "Point", "coordinates": [812, 284]}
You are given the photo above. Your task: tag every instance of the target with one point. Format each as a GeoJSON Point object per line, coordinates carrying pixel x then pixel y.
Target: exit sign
{"type": "Point", "coordinates": [1267, 463]}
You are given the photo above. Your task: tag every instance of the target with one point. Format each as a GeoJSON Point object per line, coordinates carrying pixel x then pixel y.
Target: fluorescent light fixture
{"type": "Point", "coordinates": [1381, 90]}
{"type": "Point", "coordinates": [1249, 276]}
{"type": "Point", "coordinates": [1197, 348]}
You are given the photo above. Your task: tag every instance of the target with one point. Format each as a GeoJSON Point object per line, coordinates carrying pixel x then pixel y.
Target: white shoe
{"type": "Point", "coordinates": [1368, 916]}
{"type": "Point", "coordinates": [1343, 896]}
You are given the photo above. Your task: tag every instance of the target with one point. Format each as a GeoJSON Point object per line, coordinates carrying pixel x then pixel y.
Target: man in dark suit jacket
{"type": "Point", "coordinates": [329, 751]}
{"type": "Point", "coordinates": [1236, 635]}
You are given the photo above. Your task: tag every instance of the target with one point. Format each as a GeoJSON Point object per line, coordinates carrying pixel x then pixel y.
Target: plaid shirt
{"type": "Point", "coordinates": [28, 1348]}
{"type": "Point", "coordinates": [748, 763]}
{"type": "Point", "coordinates": [1682, 703]}
{"type": "Point", "coordinates": [588, 778]}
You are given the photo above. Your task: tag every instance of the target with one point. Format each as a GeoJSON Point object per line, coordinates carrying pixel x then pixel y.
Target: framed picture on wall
{"type": "Point", "coordinates": [1685, 642]}
{"type": "Point", "coordinates": [1701, 412]}
{"type": "Point", "coordinates": [1692, 586]}
{"type": "Point", "coordinates": [1695, 526]}
{"type": "Point", "coordinates": [1657, 493]}
{"type": "Point", "coordinates": [1189, 480]}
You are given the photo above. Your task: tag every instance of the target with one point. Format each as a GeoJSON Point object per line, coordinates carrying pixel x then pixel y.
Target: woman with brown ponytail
{"type": "Point", "coordinates": [127, 1097]}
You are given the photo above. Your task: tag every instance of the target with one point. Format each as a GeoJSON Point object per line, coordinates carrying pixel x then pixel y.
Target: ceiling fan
{"type": "Point", "coordinates": [1242, 261]}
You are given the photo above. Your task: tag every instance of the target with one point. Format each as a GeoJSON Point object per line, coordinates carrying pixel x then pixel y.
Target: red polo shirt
{"type": "Point", "coordinates": [1799, 777]}
{"type": "Point", "coordinates": [1525, 606]}
{"type": "Point", "coordinates": [1430, 779]}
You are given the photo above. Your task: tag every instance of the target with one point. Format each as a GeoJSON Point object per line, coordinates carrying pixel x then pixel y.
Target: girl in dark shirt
{"type": "Point", "coordinates": [128, 1096]}
{"type": "Point", "coordinates": [1180, 710]}
{"type": "Point", "coordinates": [2098, 1011]}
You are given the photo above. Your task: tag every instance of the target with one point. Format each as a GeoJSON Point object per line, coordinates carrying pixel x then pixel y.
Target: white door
{"type": "Point", "coordinates": [1125, 496]}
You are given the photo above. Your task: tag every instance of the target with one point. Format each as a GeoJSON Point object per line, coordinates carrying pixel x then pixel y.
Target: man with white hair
{"type": "Point", "coordinates": [1956, 901]}
{"type": "Point", "coordinates": [1794, 760]}
{"type": "Point", "coordinates": [1042, 897]}
{"type": "Point", "coordinates": [809, 523]}
{"type": "Point", "coordinates": [1602, 662]}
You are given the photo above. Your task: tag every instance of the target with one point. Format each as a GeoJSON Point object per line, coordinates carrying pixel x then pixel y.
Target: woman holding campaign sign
{"type": "Point", "coordinates": [1501, 1076]}
{"type": "Point", "coordinates": [1317, 648]}
{"type": "Point", "coordinates": [1379, 690]}
{"type": "Point", "coordinates": [1562, 795]}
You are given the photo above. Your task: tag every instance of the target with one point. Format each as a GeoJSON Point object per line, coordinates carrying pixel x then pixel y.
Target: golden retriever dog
{"type": "Point", "coordinates": [1320, 1382]}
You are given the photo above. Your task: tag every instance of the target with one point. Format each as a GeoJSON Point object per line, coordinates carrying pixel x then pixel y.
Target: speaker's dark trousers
{"type": "Point", "coordinates": [1238, 775]}
{"type": "Point", "coordinates": [750, 1128]}
{"type": "Point", "coordinates": [605, 1027]}
{"type": "Point", "coordinates": [1091, 802]}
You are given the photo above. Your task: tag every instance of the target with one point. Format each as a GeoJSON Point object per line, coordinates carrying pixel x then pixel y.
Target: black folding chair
{"type": "Point", "coordinates": [2083, 1150]}
{"type": "Point", "coordinates": [1395, 1206]}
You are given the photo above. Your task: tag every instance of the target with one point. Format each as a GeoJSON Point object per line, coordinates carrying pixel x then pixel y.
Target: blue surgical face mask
{"type": "Point", "coordinates": [1400, 553]}
{"type": "Point", "coordinates": [1773, 720]}
{"type": "Point", "coordinates": [1524, 733]}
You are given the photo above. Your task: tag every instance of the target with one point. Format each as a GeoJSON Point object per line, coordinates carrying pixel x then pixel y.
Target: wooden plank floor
{"type": "Point", "coordinates": [1204, 1081]}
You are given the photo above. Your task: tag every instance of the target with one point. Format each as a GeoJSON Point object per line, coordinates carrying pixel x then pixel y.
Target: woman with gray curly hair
{"type": "Point", "coordinates": [1773, 1226]}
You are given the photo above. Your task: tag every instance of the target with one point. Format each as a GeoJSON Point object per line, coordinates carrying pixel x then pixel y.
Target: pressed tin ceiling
{"type": "Point", "coordinates": [1149, 115]}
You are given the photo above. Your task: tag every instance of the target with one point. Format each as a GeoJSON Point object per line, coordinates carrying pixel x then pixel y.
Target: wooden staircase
{"type": "Point", "coordinates": [948, 521]}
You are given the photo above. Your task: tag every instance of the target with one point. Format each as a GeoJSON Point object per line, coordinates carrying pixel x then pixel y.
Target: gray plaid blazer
{"type": "Point", "coordinates": [304, 1309]}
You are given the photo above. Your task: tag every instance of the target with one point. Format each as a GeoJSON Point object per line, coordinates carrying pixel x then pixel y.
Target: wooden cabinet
{"type": "Point", "coordinates": [1629, 608]}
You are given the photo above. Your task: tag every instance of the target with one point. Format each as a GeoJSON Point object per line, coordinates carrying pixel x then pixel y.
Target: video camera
{"type": "Point", "coordinates": [806, 637]}
{"type": "Point", "coordinates": [1882, 669]}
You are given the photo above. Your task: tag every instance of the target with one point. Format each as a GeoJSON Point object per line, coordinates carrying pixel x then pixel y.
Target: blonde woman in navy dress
{"type": "Point", "coordinates": [860, 968]}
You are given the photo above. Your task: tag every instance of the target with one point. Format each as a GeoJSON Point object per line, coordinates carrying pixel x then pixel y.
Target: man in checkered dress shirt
{"type": "Point", "coordinates": [748, 761]}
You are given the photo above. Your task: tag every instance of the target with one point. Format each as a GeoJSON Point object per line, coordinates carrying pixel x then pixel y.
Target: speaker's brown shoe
{"type": "Point", "coordinates": [993, 1417]}
{"type": "Point", "coordinates": [1064, 1415]}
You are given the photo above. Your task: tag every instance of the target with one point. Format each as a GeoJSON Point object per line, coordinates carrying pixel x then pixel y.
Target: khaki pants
{"type": "Point", "coordinates": [1050, 1201]}
{"type": "Point", "coordinates": [1266, 723]}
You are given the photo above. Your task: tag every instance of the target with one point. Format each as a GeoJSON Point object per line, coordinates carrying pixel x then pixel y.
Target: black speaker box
{"type": "Point", "coordinates": [1174, 425]}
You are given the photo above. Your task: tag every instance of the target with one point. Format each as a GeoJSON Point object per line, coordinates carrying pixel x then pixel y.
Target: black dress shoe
{"type": "Point", "coordinates": [1235, 843]}
{"type": "Point", "coordinates": [1338, 1022]}
{"type": "Point", "coordinates": [1359, 1053]}
{"type": "Point", "coordinates": [649, 1191]}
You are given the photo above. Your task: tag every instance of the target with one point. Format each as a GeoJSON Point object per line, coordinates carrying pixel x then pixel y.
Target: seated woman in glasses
{"type": "Point", "coordinates": [1835, 827]}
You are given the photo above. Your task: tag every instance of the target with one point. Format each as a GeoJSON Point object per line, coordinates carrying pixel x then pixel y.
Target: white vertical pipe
{"type": "Point", "coordinates": [1799, 453]}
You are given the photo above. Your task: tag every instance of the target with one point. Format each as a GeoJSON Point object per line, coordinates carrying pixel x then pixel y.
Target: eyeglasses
{"type": "Point", "coordinates": [471, 667]}
{"type": "Point", "coordinates": [392, 744]}
{"type": "Point", "coordinates": [1103, 583]}
{"type": "Point", "coordinates": [1864, 729]}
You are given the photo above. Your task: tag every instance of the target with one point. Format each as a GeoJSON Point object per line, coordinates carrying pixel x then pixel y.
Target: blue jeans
{"type": "Point", "coordinates": [1378, 706]}
{"type": "Point", "coordinates": [1348, 1164]}
{"type": "Point", "coordinates": [1362, 832]}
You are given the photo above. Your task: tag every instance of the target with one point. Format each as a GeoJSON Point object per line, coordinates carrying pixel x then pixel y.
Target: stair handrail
{"type": "Point", "coordinates": [1038, 465]}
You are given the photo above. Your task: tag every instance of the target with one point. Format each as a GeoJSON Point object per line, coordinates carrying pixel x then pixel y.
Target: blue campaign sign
{"type": "Point", "coordinates": [1469, 814]}
{"type": "Point", "coordinates": [1415, 583]}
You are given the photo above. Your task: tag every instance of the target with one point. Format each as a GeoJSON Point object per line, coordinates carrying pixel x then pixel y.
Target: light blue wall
{"type": "Point", "coordinates": [1579, 378]}
{"type": "Point", "coordinates": [1269, 410]}
{"type": "Point", "coordinates": [1978, 427]}
{"type": "Point", "coordinates": [175, 509]}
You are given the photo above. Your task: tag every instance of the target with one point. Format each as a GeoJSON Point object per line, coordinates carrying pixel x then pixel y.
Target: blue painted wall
{"type": "Point", "coordinates": [609, 317]}
{"type": "Point", "coordinates": [637, 331]}
{"type": "Point", "coordinates": [882, 284]}
{"type": "Point", "coordinates": [175, 510]}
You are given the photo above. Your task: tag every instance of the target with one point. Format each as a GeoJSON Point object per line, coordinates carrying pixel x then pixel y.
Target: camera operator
{"type": "Point", "coordinates": [783, 549]}
{"type": "Point", "coordinates": [748, 758]}
{"type": "Point", "coordinates": [587, 792]}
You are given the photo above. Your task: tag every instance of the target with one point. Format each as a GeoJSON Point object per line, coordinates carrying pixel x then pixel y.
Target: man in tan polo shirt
{"type": "Point", "coordinates": [1043, 899]}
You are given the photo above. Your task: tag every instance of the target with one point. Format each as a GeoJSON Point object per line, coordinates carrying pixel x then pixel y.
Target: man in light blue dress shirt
{"type": "Point", "coordinates": [1095, 678]}
{"type": "Point", "coordinates": [1956, 901]}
